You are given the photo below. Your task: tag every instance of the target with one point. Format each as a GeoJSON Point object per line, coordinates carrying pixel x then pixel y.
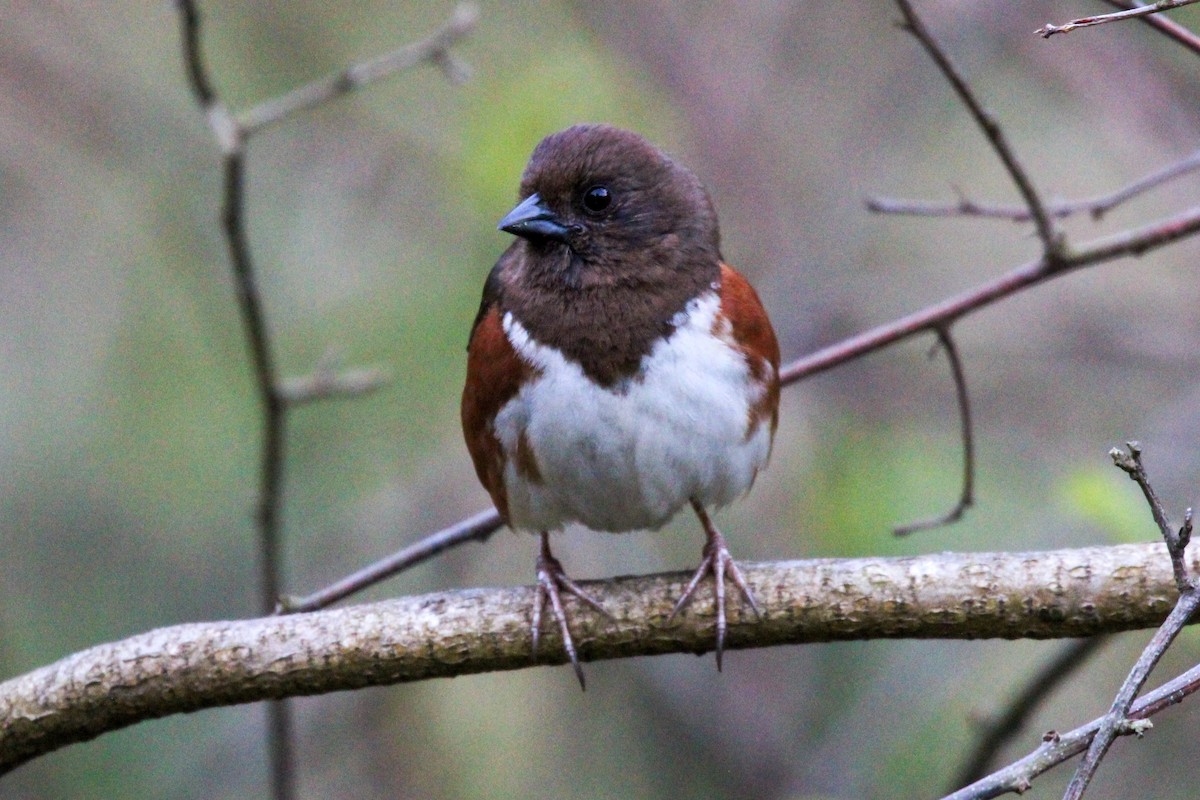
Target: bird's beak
{"type": "Point", "coordinates": [532, 220]}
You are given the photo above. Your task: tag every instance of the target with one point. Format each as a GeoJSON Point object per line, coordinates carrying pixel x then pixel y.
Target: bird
{"type": "Point", "coordinates": [618, 368]}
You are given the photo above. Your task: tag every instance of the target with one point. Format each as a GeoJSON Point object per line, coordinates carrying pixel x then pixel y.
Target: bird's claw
{"type": "Point", "coordinates": [552, 581]}
{"type": "Point", "coordinates": [719, 563]}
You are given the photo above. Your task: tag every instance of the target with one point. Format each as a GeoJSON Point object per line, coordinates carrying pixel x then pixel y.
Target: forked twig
{"type": "Point", "coordinates": [1096, 207]}
{"type": "Point", "coordinates": [1000, 730]}
{"type": "Point", "coordinates": [1051, 240]}
{"type": "Point", "coordinates": [1058, 747]}
{"type": "Point", "coordinates": [1124, 716]}
{"type": "Point", "coordinates": [274, 394]}
{"type": "Point", "coordinates": [434, 49]}
{"type": "Point", "coordinates": [1117, 718]}
{"type": "Point", "coordinates": [1118, 721]}
{"type": "Point", "coordinates": [1127, 243]}
{"type": "Point", "coordinates": [1177, 541]}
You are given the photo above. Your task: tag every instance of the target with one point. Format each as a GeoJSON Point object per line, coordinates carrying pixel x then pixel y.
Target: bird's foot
{"type": "Point", "coordinates": [719, 563]}
{"type": "Point", "coordinates": [552, 580]}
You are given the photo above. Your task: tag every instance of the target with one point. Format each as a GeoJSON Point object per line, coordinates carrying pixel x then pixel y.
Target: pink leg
{"type": "Point", "coordinates": [718, 562]}
{"type": "Point", "coordinates": [550, 579]}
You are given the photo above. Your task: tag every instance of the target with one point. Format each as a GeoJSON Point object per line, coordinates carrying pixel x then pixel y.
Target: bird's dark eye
{"type": "Point", "coordinates": [596, 199]}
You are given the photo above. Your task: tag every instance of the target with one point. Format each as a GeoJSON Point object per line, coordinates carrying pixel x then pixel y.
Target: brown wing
{"type": "Point", "coordinates": [753, 332]}
{"type": "Point", "coordinates": [494, 375]}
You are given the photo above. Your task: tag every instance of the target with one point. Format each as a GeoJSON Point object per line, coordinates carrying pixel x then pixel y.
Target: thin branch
{"type": "Point", "coordinates": [1059, 747]}
{"type": "Point", "coordinates": [1097, 207]}
{"type": "Point", "coordinates": [435, 49]}
{"type": "Point", "coordinates": [1116, 721]}
{"type": "Point", "coordinates": [193, 59]}
{"type": "Point", "coordinates": [1066, 593]}
{"type": "Point", "coordinates": [1189, 600]}
{"type": "Point", "coordinates": [231, 134]}
{"type": "Point", "coordinates": [998, 731]}
{"type": "Point", "coordinates": [1048, 30]}
{"type": "Point", "coordinates": [1133, 242]}
{"type": "Point", "coordinates": [1177, 541]}
{"type": "Point", "coordinates": [963, 207]}
{"type": "Point", "coordinates": [248, 298]}
{"type": "Point", "coordinates": [1051, 241]}
{"type": "Point", "coordinates": [967, 495]}
{"type": "Point", "coordinates": [1166, 26]}
{"type": "Point", "coordinates": [231, 140]}
{"type": "Point", "coordinates": [329, 381]}
{"type": "Point", "coordinates": [477, 528]}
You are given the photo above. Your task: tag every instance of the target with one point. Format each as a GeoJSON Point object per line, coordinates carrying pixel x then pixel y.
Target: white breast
{"type": "Point", "coordinates": [629, 457]}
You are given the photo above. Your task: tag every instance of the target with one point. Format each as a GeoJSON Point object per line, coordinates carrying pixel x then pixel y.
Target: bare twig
{"type": "Point", "coordinates": [998, 731]}
{"type": "Point", "coordinates": [1066, 593]}
{"type": "Point", "coordinates": [1058, 747]}
{"type": "Point", "coordinates": [1117, 718]}
{"type": "Point", "coordinates": [193, 60]}
{"type": "Point", "coordinates": [329, 380]}
{"type": "Point", "coordinates": [1165, 26]}
{"type": "Point", "coordinates": [963, 207]}
{"type": "Point", "coordinates": [1131, 464]}
{"type": "Point", "coordinates": [231, 133]}
{"type": "Point", "coordinates": [435, 49]}
{"type": "Point", "coordinates": [477, 528]}
{"type": "Point", "coordinates": [1051, 240]}
{"type": "Point", "coordinates": [231, 140]}
{"type": "Point", "coordinates": [1116, 721]}
{"type": "Point", "coordinates": [1048, 30]}
{"type": "Point", "coordinates": [1097, 207]}
{"type": "Point", "coordinates": [1133, 242]}
{"type": "Point", "coordinates": [967, 494]}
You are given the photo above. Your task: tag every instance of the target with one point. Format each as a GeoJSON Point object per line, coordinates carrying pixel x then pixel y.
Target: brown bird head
{"type": "Point", "coordinates": [602, 206]}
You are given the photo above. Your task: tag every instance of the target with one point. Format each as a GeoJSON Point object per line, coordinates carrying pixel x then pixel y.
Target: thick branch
{"type": "Point", "coordinates": [1066, 593]}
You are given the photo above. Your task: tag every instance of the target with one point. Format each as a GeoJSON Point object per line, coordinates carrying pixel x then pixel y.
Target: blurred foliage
{"type": "Point", "coordinates": [1110, 502]}
{"type": "Point", "coordinates": [128, 422]}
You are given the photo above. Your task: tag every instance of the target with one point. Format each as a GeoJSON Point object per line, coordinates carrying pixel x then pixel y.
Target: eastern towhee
{"type": "Point", "coordinates": [618, 368]}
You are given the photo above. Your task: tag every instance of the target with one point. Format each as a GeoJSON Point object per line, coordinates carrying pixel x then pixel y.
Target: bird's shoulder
{"type": "Point", "coordinates": [747, 317]}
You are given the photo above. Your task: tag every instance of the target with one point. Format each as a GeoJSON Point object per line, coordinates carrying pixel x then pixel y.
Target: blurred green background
{"type": "Point", "coordinates": [128, 420]}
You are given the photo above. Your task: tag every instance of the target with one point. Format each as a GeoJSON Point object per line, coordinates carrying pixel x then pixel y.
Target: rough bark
{"type": "Point", "coordinates": [1066, 593]}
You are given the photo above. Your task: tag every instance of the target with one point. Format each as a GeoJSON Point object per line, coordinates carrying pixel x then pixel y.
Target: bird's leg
{"type": "Point", "coordinates": [550, 579]}
{"type": "Point", "coordinates": [719, 563]}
